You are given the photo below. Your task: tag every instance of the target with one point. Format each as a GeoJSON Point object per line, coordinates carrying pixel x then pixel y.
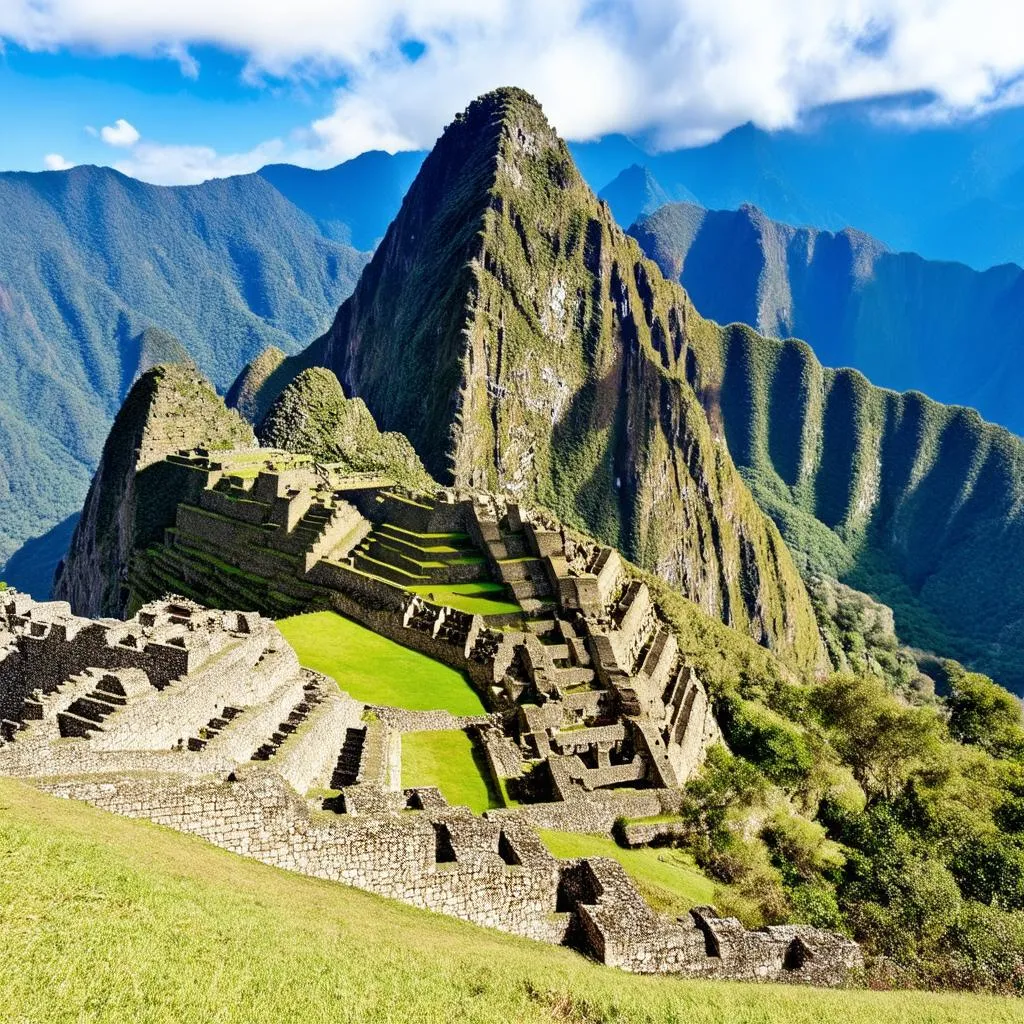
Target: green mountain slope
{"type": "Point", "coordinates": [90, 259]}
{"type": "Point", "coordinates": [905, 322]}
{"type": "Point", "coordinates": [917, 503]}
{"type": "Point", "coordinates": [518, 338]}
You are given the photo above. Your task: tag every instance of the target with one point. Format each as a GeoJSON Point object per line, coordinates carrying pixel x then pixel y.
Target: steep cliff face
{"type": "Point", "coordinates": [312, 416]}
{"type": "Point", "coordinates": [133, 497]}
{"type": "Point", "coordinates": [520, 340]}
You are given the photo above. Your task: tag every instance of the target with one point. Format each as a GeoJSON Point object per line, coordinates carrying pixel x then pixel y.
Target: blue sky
{"type": "Point", "coordinates": [199, 88]}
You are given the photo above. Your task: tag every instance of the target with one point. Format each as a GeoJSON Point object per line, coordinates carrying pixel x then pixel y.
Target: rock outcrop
{"type": "Point", "coordinates": [132, 497]}
{"type": "Point", "coordinates": [522, 343]}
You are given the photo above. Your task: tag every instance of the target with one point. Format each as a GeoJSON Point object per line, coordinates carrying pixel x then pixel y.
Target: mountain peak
{"type": "Point", "coordinates": [514, 334]}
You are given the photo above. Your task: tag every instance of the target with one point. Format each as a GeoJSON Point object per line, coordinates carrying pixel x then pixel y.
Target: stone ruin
{"type": "Point", "coordinates": [204, 720]}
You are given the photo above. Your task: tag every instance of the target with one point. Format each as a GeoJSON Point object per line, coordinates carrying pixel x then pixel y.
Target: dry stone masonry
{"type": "Point", "coordinates": [204, 720]}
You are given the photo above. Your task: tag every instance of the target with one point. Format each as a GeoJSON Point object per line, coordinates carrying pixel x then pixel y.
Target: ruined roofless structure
{"type": "Point", "coordinates": [204, 720]}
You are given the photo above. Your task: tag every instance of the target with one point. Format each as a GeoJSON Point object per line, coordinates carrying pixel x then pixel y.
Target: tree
{"type": "Point", "coordinates": [982, 713]}
{"type": "Point", "coordinates": [883, 742]}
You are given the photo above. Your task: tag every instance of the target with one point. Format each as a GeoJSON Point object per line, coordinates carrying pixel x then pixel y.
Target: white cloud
{"type": "Point", "coordinates": [190, 165]}
{"type": "Point", "coordinates": [120, 133]}
{"type": "Point", "coordinates": [674, 72]}
{"type": "Point", "coordinates": [55, 162]}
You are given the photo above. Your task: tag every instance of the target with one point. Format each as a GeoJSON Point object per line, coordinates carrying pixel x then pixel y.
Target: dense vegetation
{"type": "Point", "coordinates": [143, 924]}
{"type": "Point", "coordinates": [904, 322]}
{"type": "Point", "coordinates": [901, 824]}
{"type": "Point", "coordinates": [90, 259]}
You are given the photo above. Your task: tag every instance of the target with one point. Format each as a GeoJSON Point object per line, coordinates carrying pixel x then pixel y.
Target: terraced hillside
{"type": "Point", "coordinates": [513, 333]}
{"type": "Point", "coordinates": [564, 367]}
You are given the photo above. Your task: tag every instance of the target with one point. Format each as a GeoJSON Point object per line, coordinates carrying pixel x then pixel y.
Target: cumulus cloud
{"type": "Point", "coordinates": [55, 162]}
{"type": "Point", "coordinates": [670, 72]}
{"type": "Point", "coordinates": [120, 133]}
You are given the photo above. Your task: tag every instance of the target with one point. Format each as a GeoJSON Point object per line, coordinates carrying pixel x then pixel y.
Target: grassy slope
{"type": "Point", "coordinates": [668, 878]}
{"type": "Point", "coordinates": [449, 761]}
{"type": "Point", "coordinates": [376, 670]}
{"type": "Point", "coordinates": [109, 920]}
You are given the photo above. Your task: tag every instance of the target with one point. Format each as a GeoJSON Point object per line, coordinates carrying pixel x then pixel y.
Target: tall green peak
{"type": "Point", "coordinates": [134, 493]}
{"type": "Point", "coordinates": [522, 343]}
{"type": "Point", "coordinates": [312, 416]}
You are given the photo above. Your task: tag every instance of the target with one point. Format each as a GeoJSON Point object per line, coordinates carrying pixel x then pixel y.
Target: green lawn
{"type": "Point", "coordinates": [450, 761]}
{"type": "Point", "coordinates": [668, 878]}
{"type": "Point", "coordinates": [377, 670]}
{"type": "Point", "coordinates": [106, 920]}
{"type": "Point", "coordinates": [483, 598]}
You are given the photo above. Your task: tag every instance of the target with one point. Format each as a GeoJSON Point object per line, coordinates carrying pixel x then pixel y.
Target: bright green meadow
{"type": "Point", "coordinates": [376, 670]}
{"type": "Point", "coordinates": [449, 761]}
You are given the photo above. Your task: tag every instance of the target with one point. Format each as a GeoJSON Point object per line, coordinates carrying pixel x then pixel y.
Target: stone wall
{"type": "Point", "coordinates": [494, 874]}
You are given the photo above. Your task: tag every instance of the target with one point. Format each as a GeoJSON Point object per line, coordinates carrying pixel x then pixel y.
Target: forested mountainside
{"type": "Point", "coordinates": [89, 260]}
{"type": "Point", "coordinates": [906, 323]}
{"type": "Point", "coordinates": [567, 370]}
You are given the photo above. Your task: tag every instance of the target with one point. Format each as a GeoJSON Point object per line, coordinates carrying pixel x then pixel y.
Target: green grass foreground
{"type": "Point", "coordinates": [106, 920]}
{"type": "Point", "coordinates": [450, 761]}
{"type": "Point", "coordinates": [669, 879]}
{"type": "Point", "coordinates": [376, 670]}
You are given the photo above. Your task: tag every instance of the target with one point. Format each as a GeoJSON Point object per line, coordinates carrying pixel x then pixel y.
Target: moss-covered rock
{"type": "Point", "coordinates": [312, 416]}
{"type": "Point", "coordinates": [134, 494]}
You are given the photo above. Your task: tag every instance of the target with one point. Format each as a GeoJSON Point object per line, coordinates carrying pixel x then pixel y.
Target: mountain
{"type": "Point", "coordinates": [947, 191]}
{"type": "Point", "coordinates": [354, 202]}
{"type": "Point", "coordinates": [564, 368]}
{"type": "Point", "coordinates": [90, 261]}
{"type": "Point", "coordinates": [132, 497]}
{"type": "Point", "coordinates": [510, 329]}
{"type": "Point", "coordinates": [633, 193]}
{"type": "Point", "coordinates": [312, 416]}
{"type": "Point", "coordinates": [907, 323]}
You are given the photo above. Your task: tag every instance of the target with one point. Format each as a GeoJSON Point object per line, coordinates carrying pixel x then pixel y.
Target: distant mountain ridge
{"type": "Point", "coordinates": [906, 323]}
{"type": "Point", "coordinates": [946, 191]}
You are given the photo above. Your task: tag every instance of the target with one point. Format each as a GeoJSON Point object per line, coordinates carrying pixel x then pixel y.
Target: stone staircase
{"type": "Point", "coordinates": [213, 728]}
{"type": "Point", "coordinates": [298, 715]}
{"type": "Point", "coordinates": [86, 714]}
{"type": "Point", "coordinates": [348, 769]}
